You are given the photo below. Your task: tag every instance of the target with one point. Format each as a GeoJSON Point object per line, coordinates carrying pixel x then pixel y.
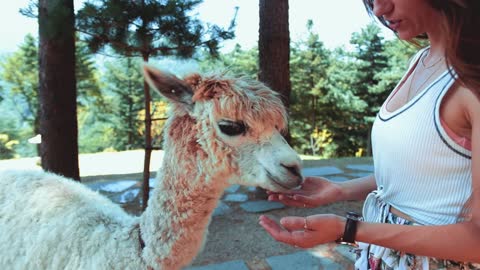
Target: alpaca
{"type": "Point", "coordinates": [221, 130]}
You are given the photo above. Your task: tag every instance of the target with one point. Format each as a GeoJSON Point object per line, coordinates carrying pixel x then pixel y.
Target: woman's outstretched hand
{"type": "Point", "coordinates": [305, 232]}
{"type": "Point", "coordinates": [315, 191]}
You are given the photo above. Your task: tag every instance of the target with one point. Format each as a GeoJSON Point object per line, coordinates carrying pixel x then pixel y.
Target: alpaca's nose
{"type": "Point", "coordinates": [295, 171]}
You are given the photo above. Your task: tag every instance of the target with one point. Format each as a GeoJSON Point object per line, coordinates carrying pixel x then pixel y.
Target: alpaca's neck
{"type": "Point", "coordinates": [178, 213]}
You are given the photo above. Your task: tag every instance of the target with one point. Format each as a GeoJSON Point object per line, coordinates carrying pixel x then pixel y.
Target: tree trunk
{"type": "Point", "coordinates": [57, 92]}
{"type": "Point", "coordinates": [274, 47]}
{"type": "Point", "coordinates": [148, 143]}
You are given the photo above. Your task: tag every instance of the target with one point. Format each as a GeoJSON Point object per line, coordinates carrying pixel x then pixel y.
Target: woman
{"type": "Point", "coordinates": [426, 152]}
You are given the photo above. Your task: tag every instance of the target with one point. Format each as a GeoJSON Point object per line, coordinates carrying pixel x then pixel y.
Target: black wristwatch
{"type": "Point", "coordinates": [350, 229]}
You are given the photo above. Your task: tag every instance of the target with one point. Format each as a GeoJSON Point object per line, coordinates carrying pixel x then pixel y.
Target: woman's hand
{"type": "Point", "coordinates": [315, 191]}
{"type": "Point", "coordinates": [305, 232]}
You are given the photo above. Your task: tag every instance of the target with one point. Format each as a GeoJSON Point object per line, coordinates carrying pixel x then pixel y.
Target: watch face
{"type": "Point", "coordinates": [354, 216]}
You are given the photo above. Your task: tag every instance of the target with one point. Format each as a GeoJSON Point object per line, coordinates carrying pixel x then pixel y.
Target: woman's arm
{"type": "Point", "coordinates": [459, 242]}
{"type": "Point", "coordinates": [357, 189]}
{"type": "Point", "coordinates": [317, 191]}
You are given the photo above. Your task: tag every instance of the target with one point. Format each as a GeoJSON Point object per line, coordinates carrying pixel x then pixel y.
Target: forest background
{"type": "Point", "coordinates": [335, 92]}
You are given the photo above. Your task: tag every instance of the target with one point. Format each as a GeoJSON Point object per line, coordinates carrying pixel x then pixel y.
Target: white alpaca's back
{"type": "Point", "coordinates": [49, 222]}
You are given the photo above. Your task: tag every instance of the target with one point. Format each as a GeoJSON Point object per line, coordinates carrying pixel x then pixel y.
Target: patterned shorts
{"type": "Point", "coordinates": [380, 258]}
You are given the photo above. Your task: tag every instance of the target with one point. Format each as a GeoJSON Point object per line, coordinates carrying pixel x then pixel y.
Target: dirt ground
{"type": "Point", "coordinates": [238, 236]}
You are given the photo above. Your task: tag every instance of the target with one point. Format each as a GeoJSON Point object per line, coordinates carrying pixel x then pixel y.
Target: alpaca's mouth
{"type": "Point", "coordinates": [277, 181]}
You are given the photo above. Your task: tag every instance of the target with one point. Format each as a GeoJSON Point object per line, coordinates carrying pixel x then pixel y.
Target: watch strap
{"type": "Point", "coordinates": [350, 231]}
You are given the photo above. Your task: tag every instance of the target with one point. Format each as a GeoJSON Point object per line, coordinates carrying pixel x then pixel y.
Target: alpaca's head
{"type": "Point", "coordinates": [238, 124]}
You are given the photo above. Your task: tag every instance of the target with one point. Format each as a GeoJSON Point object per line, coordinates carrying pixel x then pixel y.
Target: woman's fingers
{"type": "Point", "coordinates": [305, 232]}
{"type": "Point", "coordinates": [292, 200]}
{"type": "Point", "coordinates": [294, 223]}
{"type": "Point", "coordinates": [295, 238]}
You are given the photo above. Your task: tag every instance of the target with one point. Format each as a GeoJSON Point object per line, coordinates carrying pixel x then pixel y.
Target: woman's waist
{"type": "Point", "coordinates": [423, 210]}
{"type": "Point", "coordinates": [399, 213]}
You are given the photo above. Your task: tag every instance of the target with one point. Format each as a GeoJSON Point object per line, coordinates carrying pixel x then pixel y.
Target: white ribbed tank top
{"type": "Point", "coordinates": [420, 170]}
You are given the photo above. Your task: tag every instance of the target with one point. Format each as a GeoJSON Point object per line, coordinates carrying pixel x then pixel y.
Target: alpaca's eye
{"type": "Point", "coordinates": [231, 128]}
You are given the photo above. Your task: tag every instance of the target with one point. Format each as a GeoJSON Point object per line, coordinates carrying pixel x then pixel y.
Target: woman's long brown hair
{"type": "Point", "coordinates": [462, 22]}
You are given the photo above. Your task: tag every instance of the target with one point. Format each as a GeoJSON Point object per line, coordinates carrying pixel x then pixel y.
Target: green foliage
{"type": "Point", "coordinates": [370, 61]}
{"type": "Point", "coordinates": [19, 75]}
{"type": "Point", "coordinates": [237, 61]}
{"type": "Point", "coordinates": [95, 131]}
{"type": "Point", "coordinates": [345, 114]}
{"type": "Point", "coordinates": [124, 86]}
{"type": "Point", "coordinates": [14, 133]}
{"type": "Point", "coordinates": [398, 54]}
{"type": "Point", "coordinates": [87, 75]}
{"type": "Point", "coordinates": [323, 100]}
{"type": "Point", "coordinates": [148, 28]}
{"type": "Point", "coordinates": [8, 139]}
{"type": "Point", "coordinates": [308, 72]}
{"type": "Point", "coordinates": [116, 124]}
{"type": "Point", "coordinates": [6, 146]}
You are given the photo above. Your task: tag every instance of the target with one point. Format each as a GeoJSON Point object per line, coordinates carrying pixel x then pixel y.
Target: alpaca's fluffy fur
{"type": "Point", "coordinates": [49, 222]}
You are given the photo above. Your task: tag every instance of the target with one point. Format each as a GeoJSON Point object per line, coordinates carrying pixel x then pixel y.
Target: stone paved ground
{"type": "Point", "coordinates": [236, 241]}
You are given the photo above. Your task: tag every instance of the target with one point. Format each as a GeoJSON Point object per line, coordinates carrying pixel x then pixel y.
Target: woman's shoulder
{"type": "Point", "coordinates": [461, 110]}
{"type": "Point", "coordinates": [470, 99]}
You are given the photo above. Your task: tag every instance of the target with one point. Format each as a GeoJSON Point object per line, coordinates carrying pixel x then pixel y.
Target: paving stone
{"type": "Point", "coordinates": [321, 171]}
{"type": "Point", "coordinates": [338, 178]}
{"type": "Point", "coordinates": [261, 206]}
{"type": "Point", "coordinates": [231, 265]}
{"type": "Point", "coordinates": [117, 186]}
{"type": "Point", "coordinates": [330, 265]}
{"type": "Point", "coordinates": [221, 209]}
{"type": "Point", "coordinates": [127, 196]}
{"type": "Point", "coordinates": [361, 167]}
{"type": "Point", "coordinates": [232, 188]}
{"type": "Point", "coordinates": [301, 261]}
{"type": "Point", "coordinates": [237, 197]}
{"type": "Point", "coordinates": [152, 182]}
{"type": "Point", "coordinates": [95, 186]}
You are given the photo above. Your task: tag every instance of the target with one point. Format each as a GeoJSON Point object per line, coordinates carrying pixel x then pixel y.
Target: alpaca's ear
{"type": "Point", "coordinates": [168, 85]}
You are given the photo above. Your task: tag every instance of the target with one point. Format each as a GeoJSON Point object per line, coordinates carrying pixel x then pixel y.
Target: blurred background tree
{"type": "Point", "coordinates": [19, 74]}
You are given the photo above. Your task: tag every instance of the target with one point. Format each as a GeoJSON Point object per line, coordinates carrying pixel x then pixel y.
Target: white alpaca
{"type": "Point", "coordinates": [221, 130]}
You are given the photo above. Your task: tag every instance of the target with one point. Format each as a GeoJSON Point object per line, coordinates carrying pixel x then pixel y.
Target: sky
{"type": "Point", "coordinates": [334, 21]}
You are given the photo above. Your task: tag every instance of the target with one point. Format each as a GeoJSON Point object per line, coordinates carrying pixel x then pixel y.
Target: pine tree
{"type": "Point", "coordinates": [371, 60]}
{"type": "Point", "coordinates": [20, 73]}
{"type": "Point", "coordinates": [309, 64]}
{"type": "Point", "coordinates": [238, 61]}
{"type": "Point", "coordinates": [124, 83]}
